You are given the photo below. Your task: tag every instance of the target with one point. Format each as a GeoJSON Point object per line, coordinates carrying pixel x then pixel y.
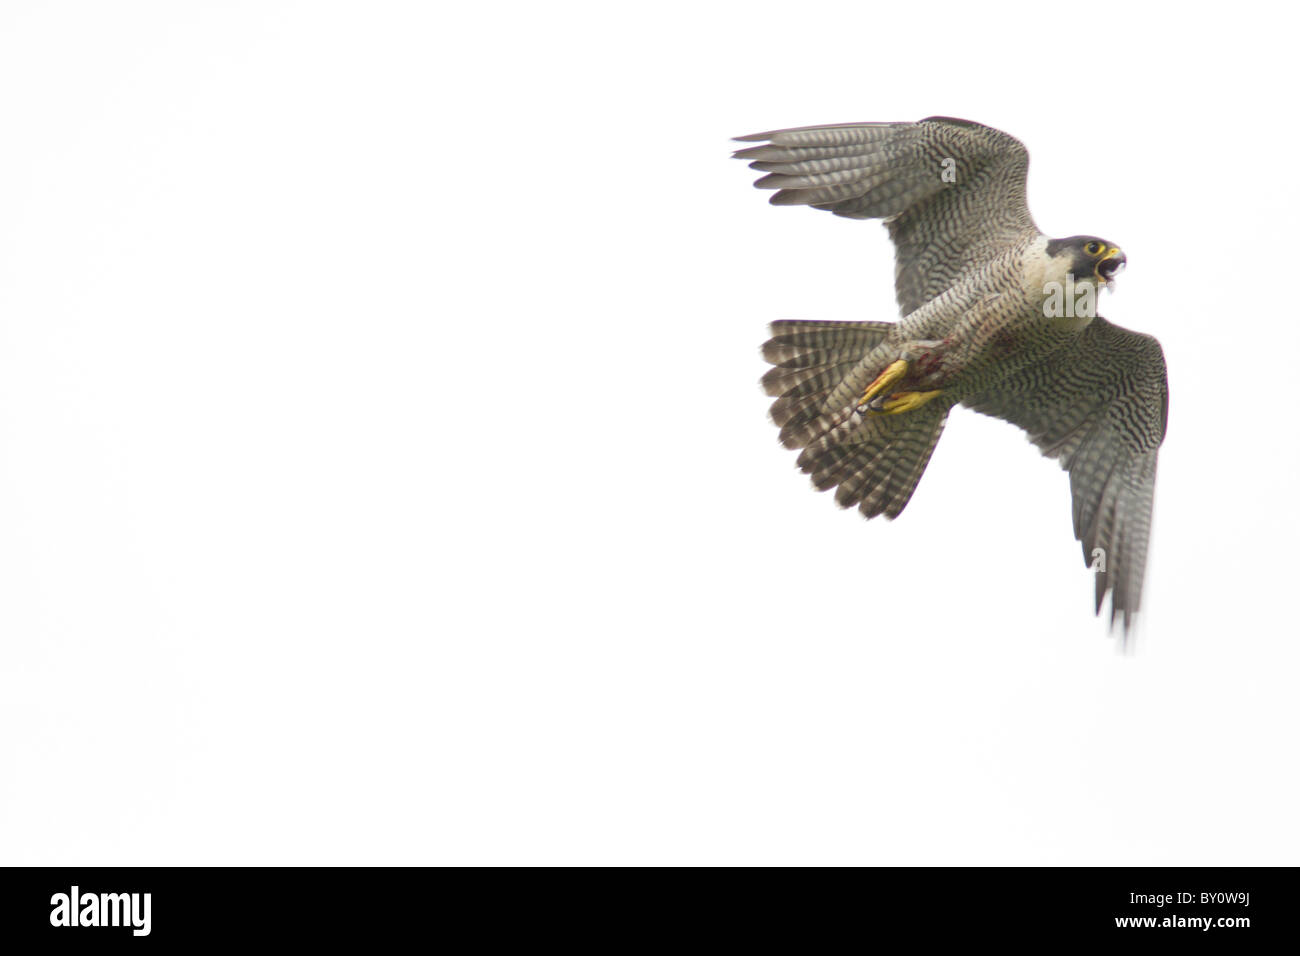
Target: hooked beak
{"type": "Point", "coordinates": [1110, 265]}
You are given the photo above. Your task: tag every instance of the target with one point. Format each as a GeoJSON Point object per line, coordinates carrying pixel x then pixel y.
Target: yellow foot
{"type": "Point", "coordinates": [907, 401]}
{"type": "Point", "coordinates": [885, 380]}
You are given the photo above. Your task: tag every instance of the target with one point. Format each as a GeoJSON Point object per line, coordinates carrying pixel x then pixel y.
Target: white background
{"type": "Point", "coordinates": [384, 477]}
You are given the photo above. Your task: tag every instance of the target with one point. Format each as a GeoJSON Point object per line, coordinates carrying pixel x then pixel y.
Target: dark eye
{"type": "Point", "coordinates": [1092, 248]}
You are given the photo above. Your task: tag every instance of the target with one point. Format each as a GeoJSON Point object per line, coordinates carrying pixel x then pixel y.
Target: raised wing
{"type": "Point", "coordinates": [952, 192]}
{"type": "Point", "coordinates": [1100, 406]}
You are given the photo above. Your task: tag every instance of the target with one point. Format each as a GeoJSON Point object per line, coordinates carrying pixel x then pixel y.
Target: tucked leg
{"type": "Point", "coordinates": [900, 402]}
{"type": "Point", "coordinates": [887, 379]}
{"type": "Point", "coordinates": [889, 393]}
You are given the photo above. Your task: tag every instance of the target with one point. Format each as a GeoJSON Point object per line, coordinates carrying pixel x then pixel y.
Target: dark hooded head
{"type": "Point", "coordinates": [1092, 258]}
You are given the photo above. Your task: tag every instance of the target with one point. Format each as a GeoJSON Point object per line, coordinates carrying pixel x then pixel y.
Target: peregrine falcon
{"type": "Point", "coordinates": [996, 316]}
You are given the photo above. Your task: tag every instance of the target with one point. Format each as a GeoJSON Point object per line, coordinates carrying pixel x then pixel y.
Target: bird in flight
{"type": "Point", "coordinates": [996, 316]}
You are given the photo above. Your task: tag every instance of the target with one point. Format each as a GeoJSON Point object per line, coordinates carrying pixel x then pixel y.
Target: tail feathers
{"type": "Point", "coordinates": [797, 383]}
{"type": "Point", "coordinates": [810, 360]}
{"type": "Point", "coordinates": [811, 371]}
{"type": "Point", "coordinates": [875, 460]}
{"type": "Point", "coordinates": [797, 344]}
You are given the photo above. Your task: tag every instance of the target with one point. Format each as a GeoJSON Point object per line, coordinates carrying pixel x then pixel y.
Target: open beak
{"type": "Point", "coordinates": [1110, 265]}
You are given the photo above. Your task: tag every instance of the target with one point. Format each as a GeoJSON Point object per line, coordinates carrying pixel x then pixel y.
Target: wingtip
{"type": "Point", "coordinates": [786, 197]}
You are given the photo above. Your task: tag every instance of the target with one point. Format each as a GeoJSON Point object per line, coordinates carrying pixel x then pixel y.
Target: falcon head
{"type": "Point", "coordinates": [1090, 258]}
